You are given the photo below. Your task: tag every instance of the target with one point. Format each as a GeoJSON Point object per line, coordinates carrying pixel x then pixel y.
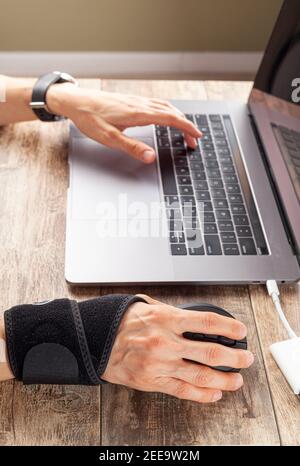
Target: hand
{"type": "Point", "coordinates": [149, 350]}
{"type": "Point", "coordinates": [104, 115]}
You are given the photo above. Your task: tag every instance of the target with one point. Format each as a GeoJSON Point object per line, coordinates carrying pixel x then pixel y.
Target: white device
{"type": "Point", "coordinates": [287, 356]}
{"type": "Point", "coordinates": [2, 351]}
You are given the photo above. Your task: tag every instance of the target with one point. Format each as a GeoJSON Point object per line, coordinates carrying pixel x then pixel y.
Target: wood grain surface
{"type": "Point", "coordinates": [33, 183]}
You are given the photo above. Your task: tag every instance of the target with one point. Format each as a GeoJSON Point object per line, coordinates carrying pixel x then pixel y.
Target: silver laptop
{"type": "Point", "coordinates": [227, 212]}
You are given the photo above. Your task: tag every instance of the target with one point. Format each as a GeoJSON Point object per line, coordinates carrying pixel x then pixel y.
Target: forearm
{"type": "Point", "coordinates": [15, 96]}
{"type": "Point", "coordinates": [5, 372]}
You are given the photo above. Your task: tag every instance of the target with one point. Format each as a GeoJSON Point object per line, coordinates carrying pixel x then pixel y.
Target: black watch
{"type": "Point", "coordinates": [38, 99]}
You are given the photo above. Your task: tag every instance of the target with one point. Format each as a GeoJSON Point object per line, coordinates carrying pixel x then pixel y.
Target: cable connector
{"type": "Point", "coordinates": [274, 293]}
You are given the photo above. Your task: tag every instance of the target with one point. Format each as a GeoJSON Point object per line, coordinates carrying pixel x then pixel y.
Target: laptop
{"type": "Point", "coordinates": [226, 212]}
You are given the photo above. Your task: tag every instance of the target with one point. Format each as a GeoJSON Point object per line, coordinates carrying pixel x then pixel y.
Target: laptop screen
{"type": "Point", "coordinates": [275, 105]}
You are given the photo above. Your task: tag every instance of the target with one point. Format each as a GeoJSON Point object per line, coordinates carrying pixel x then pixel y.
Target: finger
{"type": "Point", "coordinates": [114, 138]}
{"type": "Point", "coordinates": [209, 322]}
{"type": "Point", "coordinates": [168, 118]}
{"type": "Point", "coordinates": [203, 376]}
{"type": "Point", "coordinates": [190, 141]}
{"type": "Point", "coordinates": [136, 149]}
{"type": "Point", "coordinates": [213, 354]}
{"type": "Point", "coordinates": [186, 391]}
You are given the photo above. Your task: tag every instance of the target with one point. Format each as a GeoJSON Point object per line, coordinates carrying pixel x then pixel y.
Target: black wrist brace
{"type": "Point", "coordinates": [64, 341]}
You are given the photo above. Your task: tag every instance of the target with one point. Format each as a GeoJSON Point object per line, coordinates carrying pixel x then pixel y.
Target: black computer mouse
{"type": "Point", "coordinates": [203, 307]}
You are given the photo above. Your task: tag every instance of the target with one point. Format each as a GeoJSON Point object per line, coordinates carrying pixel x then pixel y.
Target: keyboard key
{"type": "Point", "coordinates": [232, 188]}
{"type": "Point", "coordinates": [201, 185]}
{"type": "Point", "coordinates": [175, 225]}
{"type": "Point", "coordinates": [211, 164]}
{"type": "Point", "coordinates": [201, 120]}
{"type": "Point", "coordinates": [202, 195]}
{"type": "Point", "coordinates": [210, 155]}
{"type": "Point", "coordinates": [228, 237]}
{"type": "Point", "coordinates": [231, 249]}
{"type": "Point", "coordinates": [235, 198]}
{"type": "Point", "coordinates": [167, 172]}
{"type": "Point", "coordinates": [210, 228]}
{"type": "Point", "coordinates": [213, 245]}
{"type": "Point", "coordinates": [189, 210]}
{"type": "Point", "coordinates": [213, 173]}
{"type": "Point", "coordinates": [230, 178]}
{"type": "Point", "coordinates": [162, 132]}
{"type": "Point", "coordinates": [194, 157]}
{"type": "Point", "coordinates": [179, 152]}
{"type": "Point", "coordinates": [240, 220]}
{"type": "Point", "coordinates": [177, 237]}
{"type": "Point", "coordinates": [209, 217]}
{"type": "Point", "coordinates": [219, 133]}
{"type": "Point", "coordinates": [216, 125]}
{"type": "Point", "coordinates": [178, 249]}
{"type": "Point", "coordinates": [207, 146]}
{"type": "Point", "coordinates": [221, 143]}
{"type": "Point", "coordinates": [218, 193]}
{"type": "Point", "coordinates": [238, 209]}
{"type": "Point", "coordinates": [172, 201]}
{"type": "Point", "coordinates": [247, 246]}
{"type": "Point", "coordinates": [186, 189]}
{"type": "Point", "coordinates": [227, 169]}
{"type": "Point", "coordinates": [163, 142]}
{"type": "Point", "coordinates": [191, 223]}
{"type": "Point", "coordinates": [225, 160]}
{"type": "Point", "coordinates": [243, 231]}
{"type": "Point", "coordinates": [180, 161]}
{"type": "Point", "coordinates": [223, 151]}
{"type": "Point", "coordinates": [196, 166]}
{"type": "Point", "coordinates": [198, 175]}
{"type": "Point", "coordinates": [173, 214]}
{"type": "Point", "coordinates": [206, 137]}
{"type": "Point", "coordinates": [225, 226]}
{"type": "Point", "coordinates": [205, 206]}
{"type": "Point", "coordinates": [196, 251]}
{"type": "Point", "coordinates": [188, 200]}
{"type": "Point", "coordinates": [215, 118]}
{"type": "Point", "coordinates": [223, 214]}
{"type": "Point", "coordinates": [182, 170]}
{"type": "Point", "coordinates": [184, 180]}
{"type": "Point", "coordinates": [215, 183]}
{"type": "Point", "coordinates": [220, 204]}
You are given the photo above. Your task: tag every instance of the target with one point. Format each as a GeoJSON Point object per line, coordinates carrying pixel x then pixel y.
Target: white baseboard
{"type": "Point", "coordinates": [173, 65]}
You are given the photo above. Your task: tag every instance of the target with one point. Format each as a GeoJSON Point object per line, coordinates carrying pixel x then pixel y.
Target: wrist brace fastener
{"type": "Point", "coordinates": [64, 341]}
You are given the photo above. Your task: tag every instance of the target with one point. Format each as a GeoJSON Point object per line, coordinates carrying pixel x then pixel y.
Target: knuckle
{"type": "Point", "coordinates": [210, 320]}
{"type": "Point", "coordinates": [181, 390]}
{"type": "Point", "coordinates": [154, 342]}
{"type": "Point", "coordinates": [202, 377]}
{"type": "Point", "coordinates": [213, 354]}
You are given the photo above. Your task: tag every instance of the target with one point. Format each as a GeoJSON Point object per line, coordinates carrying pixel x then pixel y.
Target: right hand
{"type": "Point", "coordinates": [149, 352]}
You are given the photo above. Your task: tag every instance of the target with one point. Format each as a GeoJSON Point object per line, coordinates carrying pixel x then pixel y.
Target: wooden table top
{"type": "Point", "coordinates": [33, 184]}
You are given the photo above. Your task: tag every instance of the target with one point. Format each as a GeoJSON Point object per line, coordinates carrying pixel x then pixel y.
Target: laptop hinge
{"type": "Point", "coordinates": [284, 219]}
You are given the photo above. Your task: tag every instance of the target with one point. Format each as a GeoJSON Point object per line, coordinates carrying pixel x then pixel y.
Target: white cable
{"type": "Point", "coordinates": [274, 293]}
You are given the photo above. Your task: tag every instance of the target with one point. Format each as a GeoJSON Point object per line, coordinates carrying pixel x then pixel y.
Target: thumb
{"type": "Point", "coordinates": [137, 149]}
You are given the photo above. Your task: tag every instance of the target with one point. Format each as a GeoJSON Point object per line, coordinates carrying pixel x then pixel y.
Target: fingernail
{"type": "Point", "coordinates": [148, 155]}
{"type": "Point", "coordinates": [217, 396]}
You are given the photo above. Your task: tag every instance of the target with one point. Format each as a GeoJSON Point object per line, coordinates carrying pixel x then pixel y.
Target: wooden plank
{"type": "Point", "coordinates": [270, 330]}
{"type": "Point", "coordinates": [33, 184]}
{"type": "Point", "coordinates": [246, 417]}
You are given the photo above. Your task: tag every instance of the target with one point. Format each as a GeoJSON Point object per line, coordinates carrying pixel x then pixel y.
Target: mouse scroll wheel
{"type": "Point", "coordinates": [226, 341]}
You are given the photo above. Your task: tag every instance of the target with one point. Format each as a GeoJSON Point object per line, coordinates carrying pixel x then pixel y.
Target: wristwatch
{"type": "Point", "coordinates": [38, 100]}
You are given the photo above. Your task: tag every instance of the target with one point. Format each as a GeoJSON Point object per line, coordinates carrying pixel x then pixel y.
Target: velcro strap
{"type": "Point", "coordinates": [64, 341]}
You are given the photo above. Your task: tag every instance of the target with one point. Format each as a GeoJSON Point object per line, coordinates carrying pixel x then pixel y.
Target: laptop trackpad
{"type": "Point", "coordinates": [104, 180]}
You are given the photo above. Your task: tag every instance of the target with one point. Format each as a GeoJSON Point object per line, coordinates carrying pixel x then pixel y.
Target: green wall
{"type": "Point", "coordinates": [136, 25]}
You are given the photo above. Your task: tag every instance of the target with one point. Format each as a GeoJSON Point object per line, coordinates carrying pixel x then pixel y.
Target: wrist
{"type": "Point", "coordinates": [59, 98]}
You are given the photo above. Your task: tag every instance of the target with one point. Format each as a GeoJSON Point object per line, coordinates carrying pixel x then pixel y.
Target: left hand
{"type": "Point", "coordinates": [103, 116]}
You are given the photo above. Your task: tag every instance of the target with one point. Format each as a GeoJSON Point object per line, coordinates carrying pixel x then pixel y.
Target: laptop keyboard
{"type": "Point", "coordinates": [204, 202]}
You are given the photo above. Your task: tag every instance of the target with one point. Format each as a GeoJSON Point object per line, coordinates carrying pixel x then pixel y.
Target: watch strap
{"type": "Point", "coordinates": [38, 101]}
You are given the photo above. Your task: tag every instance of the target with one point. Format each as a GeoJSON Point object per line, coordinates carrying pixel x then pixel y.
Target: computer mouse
{"type": "Point", "coordinates": [204, 307]}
